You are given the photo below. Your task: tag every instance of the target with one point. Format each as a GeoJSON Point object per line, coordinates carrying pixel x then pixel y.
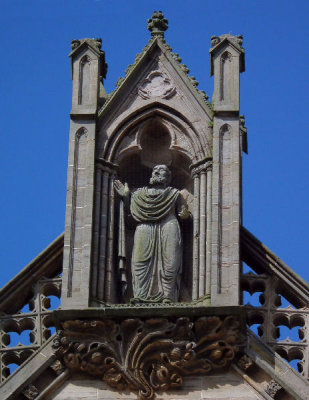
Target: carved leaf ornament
{"type": "Point", "coordinates": [148, 356]}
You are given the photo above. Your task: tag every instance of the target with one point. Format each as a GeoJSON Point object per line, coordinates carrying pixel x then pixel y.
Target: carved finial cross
{"type": "Point", "coordinates": [157, 24]}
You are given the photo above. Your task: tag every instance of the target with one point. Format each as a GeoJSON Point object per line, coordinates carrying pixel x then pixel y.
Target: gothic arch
{"type": "Point", "coordinates": [84, 79]}
{"type": "Point", "coordinates": [198, 147]}
{"type": "Point", "coordinates": [160, 131]}
{"type": "Point", "coordinates": [78, 172]}
{"type": "Point", "coordinates": [225, 66]}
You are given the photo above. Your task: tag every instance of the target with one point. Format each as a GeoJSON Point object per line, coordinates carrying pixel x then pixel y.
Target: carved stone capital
{"type": "Point", "coordinates": [106, 166]}
{"type": "Point", "coordinates": [200, 166]}
{"type": "Point", "coordinates": [148, 355]}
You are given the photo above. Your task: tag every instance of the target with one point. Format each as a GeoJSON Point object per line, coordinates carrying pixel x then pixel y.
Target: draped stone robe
{"type": "Point", "coordinates": [157, 251]}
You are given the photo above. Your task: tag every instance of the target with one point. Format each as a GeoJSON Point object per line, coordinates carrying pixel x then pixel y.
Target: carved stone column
{"type": "Point", "coordinates": [102, 279]}
{"type": "Point", "coordinates": [201, 175]}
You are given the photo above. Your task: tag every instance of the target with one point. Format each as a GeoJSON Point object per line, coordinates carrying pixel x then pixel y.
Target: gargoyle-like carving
{"type": "Point", "coordinates": [245, 362]}
{"type": "Point", "coordinates": [150, 355]}
{"type": "Point", "coordinates": [238, 39]}
{"type": "Point", "coordinates": [75, 43]}
{"type": "Point", "coordinates": [31, 392]}
{"type": "Point", "coordinates": [57, 367]}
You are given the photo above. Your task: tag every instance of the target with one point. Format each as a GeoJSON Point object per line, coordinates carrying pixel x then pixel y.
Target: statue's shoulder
{"type": "Point", "coordinates": [172, 190]}
{"type": "Point", "coordinates": [138, 191]}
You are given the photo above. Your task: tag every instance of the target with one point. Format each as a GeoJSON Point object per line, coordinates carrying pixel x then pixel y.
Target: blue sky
{"type": "Point", "coordinates": [35, 87]}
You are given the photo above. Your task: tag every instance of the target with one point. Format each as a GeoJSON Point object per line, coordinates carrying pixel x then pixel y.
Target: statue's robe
{"type": "Point", "coordinates": [157, 251]}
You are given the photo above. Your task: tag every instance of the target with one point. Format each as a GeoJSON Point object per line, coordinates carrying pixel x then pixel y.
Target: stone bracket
{"type": "Point", "coordinates": [148, 355]}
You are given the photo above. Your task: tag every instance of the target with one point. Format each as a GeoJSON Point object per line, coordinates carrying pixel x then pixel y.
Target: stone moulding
{"type": "Point", "coordinates": [148, 355]}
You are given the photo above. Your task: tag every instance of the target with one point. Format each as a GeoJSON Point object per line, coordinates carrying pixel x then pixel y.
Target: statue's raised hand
{"type": "Point", "coordinates": [122, 189]}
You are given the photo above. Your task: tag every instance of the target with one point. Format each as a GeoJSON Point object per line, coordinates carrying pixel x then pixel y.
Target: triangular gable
{"type": "Point", "coordinates": [124, 85]}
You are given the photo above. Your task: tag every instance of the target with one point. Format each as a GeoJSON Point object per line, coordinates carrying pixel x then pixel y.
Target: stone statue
{"type": "Point", "coordinates": [157, 250]}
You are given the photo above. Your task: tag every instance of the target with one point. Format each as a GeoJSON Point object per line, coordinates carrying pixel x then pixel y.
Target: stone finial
{"type": "Point", "coordinates": [157, 24]}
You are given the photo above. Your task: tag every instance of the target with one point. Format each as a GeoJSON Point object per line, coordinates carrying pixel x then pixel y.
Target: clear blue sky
{"type": "Point", "coordinates": [35, 89]}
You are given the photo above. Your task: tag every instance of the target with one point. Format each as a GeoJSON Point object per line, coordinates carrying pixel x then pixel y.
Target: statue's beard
{"type": "Point", "coordinates": [157, 180]}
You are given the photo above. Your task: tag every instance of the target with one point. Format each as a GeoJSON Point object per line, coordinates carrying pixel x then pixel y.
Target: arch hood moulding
{"type": "Point", "coordinates": [152, 285]}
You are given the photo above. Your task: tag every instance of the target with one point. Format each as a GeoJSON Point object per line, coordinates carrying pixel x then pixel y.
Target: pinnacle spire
{"type": "Point", "coordinates": [157, 24]}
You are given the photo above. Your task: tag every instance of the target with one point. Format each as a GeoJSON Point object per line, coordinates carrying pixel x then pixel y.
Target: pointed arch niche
{"type": "Point", "coordinates": [138, 144]}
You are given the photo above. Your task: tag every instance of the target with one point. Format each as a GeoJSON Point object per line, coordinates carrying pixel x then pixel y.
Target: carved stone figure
{"type": "Point", "coordinates": [157, 250]}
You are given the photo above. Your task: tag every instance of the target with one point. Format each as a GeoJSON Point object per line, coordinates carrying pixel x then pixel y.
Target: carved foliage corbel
{"type": "Point", "coordinates": [151, 355]}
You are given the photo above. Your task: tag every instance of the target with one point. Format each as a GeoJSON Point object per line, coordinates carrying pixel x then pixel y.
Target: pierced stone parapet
{"type": "Point", "coordinates": [33, 323]}
{"type": "Point", "coordinates": [282, 303]}
{"type": "Point", "coordinates": [148, 355]}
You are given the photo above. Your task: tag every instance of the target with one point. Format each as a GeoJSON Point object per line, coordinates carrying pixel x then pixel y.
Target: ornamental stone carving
{"type": "Point", "coordinates": [57, 367]}
{"type": "Point", "coordinates": [245, 362]}
{"type": "Point", "coordinates": [31, 392]}
{"type": "Point", "coordinates": [157, 84]}
{"type": "Point", "coordinates": [157, 24]}
{"type": "Point", "coordinates": [151, 355]}
{"type": "Point", "coordinates": [273, 388]}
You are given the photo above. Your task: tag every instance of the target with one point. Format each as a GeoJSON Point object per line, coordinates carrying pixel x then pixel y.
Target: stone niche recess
{"type": "Point", "coordinates": [152, 141]}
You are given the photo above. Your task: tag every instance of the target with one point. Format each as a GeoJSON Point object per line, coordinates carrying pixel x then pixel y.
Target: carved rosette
{"type": "Point", "coordinates": [151, 355]}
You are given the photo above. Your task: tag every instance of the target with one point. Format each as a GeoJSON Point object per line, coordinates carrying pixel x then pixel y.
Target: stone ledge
{"type": "Point", "coordinates": [147, 311]}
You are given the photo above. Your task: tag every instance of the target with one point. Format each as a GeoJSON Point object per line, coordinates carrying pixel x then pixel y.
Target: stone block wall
{"type": "Point", "coordinates": [226, 386]}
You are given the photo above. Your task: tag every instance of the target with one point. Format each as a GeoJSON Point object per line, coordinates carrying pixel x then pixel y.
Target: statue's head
{"type": "Point", "coordinates": [161, 175]}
